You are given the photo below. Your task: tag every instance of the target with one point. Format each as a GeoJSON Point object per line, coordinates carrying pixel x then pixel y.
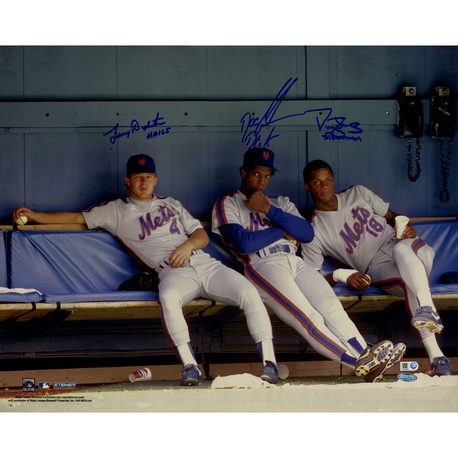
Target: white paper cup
{"type": "Point", "coordinates": [142, 375]}
{"type": "Point", "coordinates": [401, 223]}
{"type": "Point", "coordinates": [283, 371]}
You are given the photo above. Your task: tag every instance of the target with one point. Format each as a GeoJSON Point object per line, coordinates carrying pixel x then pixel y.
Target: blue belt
{"type": "Point", "coordinates": [276, 249]}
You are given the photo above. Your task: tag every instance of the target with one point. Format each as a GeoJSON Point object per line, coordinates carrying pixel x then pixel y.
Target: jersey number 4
{"type": "Point", "coordinates": [173, 227]}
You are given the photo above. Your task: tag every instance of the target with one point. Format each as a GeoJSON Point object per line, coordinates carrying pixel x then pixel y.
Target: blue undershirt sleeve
{"type": "Point", "coordinates": [296, 227]}
{"type": "Point", "coordinates": [245, 241]}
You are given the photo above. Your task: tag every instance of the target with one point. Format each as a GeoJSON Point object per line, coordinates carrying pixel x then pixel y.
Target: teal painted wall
{"type": "Point", "coordinates": [197, 109]}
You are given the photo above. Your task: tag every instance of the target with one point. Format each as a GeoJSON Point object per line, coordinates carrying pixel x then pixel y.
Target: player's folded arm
{"type": "Point", "coordinates": [296, 227]}
{"type": "Point", "coordinates": [245, 241]}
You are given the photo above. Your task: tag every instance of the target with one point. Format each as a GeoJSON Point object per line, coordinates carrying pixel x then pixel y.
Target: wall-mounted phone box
{"type": "Point", "coordinates": [409, 114]}
{"type": "Point", "coordinates": [443, 114]}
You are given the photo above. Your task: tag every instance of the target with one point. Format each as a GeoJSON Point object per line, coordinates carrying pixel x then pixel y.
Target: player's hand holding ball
{"type": "Point", "coordinates": [22, 220]}
{"type": "Point", "coordinates": [352, 278]}
{"type": "Point", "coordinates": [21, 216]}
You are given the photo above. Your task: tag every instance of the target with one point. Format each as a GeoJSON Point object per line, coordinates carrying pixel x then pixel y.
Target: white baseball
{"type": "Point", "coordinates": [21, 220]}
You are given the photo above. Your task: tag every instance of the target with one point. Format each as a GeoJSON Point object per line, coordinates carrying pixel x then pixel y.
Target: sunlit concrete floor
{"type": "Point", "coordinates": [304, 394]}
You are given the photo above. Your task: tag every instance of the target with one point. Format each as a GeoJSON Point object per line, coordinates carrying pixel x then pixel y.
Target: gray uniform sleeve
{"type": "Point", "coordinates": [312, 254]}
{"type": "Point", "coordinates": [378, 205]}
{"type": "Point", "coordinates": [103, 216]}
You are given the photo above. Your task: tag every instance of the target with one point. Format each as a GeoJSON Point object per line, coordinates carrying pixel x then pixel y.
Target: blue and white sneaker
{"type": "Point", "coordinates": [427, 317]}
{"type": "Point", "coordinates": [191, 375]}
{"type": "Point", "coordinates": [270, 372]}
{"type": "Point", "coordinates": [372, 357]}
{"type": "Point", "coordinates": [377, 374]}
{"type": "Point", "coordinates": [440, 366]}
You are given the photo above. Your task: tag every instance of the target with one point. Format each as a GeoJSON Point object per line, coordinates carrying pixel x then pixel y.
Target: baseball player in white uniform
{"type": "Point", "coordinates": [355, 227]}
{"type": "Point", "coordinates": [264, 233]}
{"type": "Point", "coordinates": [165, 237]}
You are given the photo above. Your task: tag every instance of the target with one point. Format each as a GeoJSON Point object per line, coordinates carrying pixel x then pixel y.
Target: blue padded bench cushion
{"type": "Point", "coordinates": [3, 270]}
{"type": "Point", "coordinates": [12, 296]}
{"type": "Point", "coordinates": [72, 266]}
{"type": "Point", "coordinates": [442, 236]}
{"type": "Point", "coordinates": [219, 251]}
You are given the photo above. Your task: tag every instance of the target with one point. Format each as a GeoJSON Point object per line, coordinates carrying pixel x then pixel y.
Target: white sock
{"type": "Point", "coordinates": [186, 355]}
{"type": "Point", "coordinates": [267, 351]}
{"type": "Point", "coordinates": [424, 298]}
{"type": "Point", "coordinates": [432, 347]}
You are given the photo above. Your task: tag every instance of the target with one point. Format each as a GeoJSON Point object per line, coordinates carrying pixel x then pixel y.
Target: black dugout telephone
{"type": "Point", "coordinates": [409, 114]}
{"type": "Point", "coordinates": [443, 114]}
{"type": "Point", "coordinates": [442, 125]}
{"type": "Point", "coordinates": [409, 123]}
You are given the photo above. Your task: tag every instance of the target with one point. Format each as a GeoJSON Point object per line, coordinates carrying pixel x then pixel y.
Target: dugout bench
{"type": "Point", "coordinates": [59, 299]}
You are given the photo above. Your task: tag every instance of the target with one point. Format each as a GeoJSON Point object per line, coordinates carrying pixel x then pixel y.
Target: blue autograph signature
{"type": "Point", "coordinates": [135, 126]}
{"type": "Point", "coordinates": [335, 127]}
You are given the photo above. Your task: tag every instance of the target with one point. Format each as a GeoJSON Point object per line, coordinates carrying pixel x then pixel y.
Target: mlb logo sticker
{"type": "Point", "coordinates": [28, 384]}
{"type": "Point", "coordinates": [43, 385]}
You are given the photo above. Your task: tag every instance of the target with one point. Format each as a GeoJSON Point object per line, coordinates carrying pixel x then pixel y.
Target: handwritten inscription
{"type": "Point", "coordinates": [339, 130]}
{"type": "Point", "coordinates": [256, 131]}
{"type": "Point", "coordinates": [333, 127]}
{"type": "Point", "coordinates": [154, 128]}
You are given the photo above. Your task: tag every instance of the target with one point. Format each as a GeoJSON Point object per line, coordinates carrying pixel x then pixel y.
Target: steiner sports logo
{"type": "Point", "coordinates": [409, 366]}
{"type": "Point", "coordinates": [64, 385]}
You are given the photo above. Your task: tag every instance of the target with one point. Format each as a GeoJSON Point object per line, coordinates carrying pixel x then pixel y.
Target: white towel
{"type": "Point", "coordinates": [18, 290]}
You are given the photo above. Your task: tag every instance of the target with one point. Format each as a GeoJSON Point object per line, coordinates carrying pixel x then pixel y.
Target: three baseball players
{"type": "Point", "coordinates": [264, 232]}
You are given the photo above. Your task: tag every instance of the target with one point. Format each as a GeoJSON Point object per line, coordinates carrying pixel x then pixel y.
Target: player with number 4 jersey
{"type": "Point", "coordinates": [162, 234]}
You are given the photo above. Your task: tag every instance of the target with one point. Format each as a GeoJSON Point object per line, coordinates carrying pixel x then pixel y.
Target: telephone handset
{"type": "Point", "coordinates": [443, 114]}
{"type": "Point", "coordinates": [442, 125]}
{"type": "Point", "coordinates": [409, 124]}
{"type": "Point", "coordinates": [409, 114]}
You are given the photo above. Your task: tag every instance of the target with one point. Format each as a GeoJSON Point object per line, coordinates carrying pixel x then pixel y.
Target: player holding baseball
{"type": "Point", "coordinates": [264, 233]}
{"type": "Point", "coordinates": [355, 227]}
{"type": "Point", "coordinates": [161, 233]}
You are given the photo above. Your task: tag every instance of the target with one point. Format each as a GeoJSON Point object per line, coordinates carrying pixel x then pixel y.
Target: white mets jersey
{"type": "Point", "coordinates": [232, 210]}
{"type": "Point", "coordinates": [353, 234]}
{"type": "Point", "coordinates": [150, 230]}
